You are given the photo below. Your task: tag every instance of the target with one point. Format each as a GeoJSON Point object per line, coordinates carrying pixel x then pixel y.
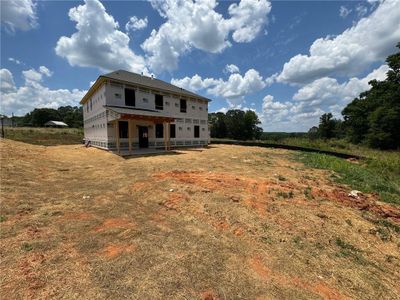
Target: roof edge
{"type": "Point", "coordinates": [102, 78]}
{"type": "Point", "coordinates": [163, 90]}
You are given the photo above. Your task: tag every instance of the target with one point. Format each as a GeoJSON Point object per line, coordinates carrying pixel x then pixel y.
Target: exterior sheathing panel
{"type": "Point", "coordinates": [102, 133]}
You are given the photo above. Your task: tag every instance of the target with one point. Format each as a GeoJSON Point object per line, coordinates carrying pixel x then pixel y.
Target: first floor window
{"type": "Point", "coordinates": [172, 131]}
{"type": "Point", "coordinates": [159, 130]}
{"type": "Point", "coordinates": [196, 131]}
{"type": "Point", "coordinates": [123, 129]}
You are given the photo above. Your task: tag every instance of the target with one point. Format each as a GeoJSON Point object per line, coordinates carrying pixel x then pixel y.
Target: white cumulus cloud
{"type": "Point", "coordinates": [344, 11]}
{"type": "Point", "coordinates": [330, 90]}
{"type": "Point", "coordinates": [231, 69]}
{"type": "Point", "coordinates": [98, 41]}
{"type": "Point", "coordinates": [312, 100]}
{"type": "Point", "coordinates": [18, 14]}
{"type": "Point", "coordinates": [234, 89]}
{"type": "Point", "coordinates": [7, 81]}
{"type": "Point", "coordinates": [16, 61]}
{"type": "Point", "coordinates": [33, 94]}
{"type": "Point", "coordinates": [368, 41]}
{"type": "Point", "coordinates": [135, 23]}
{"type": "Point", "coordinates": [198, 25]}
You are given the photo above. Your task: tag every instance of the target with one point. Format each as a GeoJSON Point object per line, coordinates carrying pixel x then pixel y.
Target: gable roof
{"type": "Point", "coordinates": [142, 81]}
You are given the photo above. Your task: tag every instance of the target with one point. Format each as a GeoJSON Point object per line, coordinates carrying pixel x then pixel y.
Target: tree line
{"type": "Point", "coordinates": [71, 115]}
{"type": "Point", "coordinates": [373, 118]}
{"type": "Point", "coordinates": [235, 124]}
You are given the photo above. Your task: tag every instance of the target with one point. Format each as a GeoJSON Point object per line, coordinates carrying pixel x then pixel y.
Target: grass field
{"type": "Point", "coordinates": [45, 136]}
{"type": "Point", "coordinates": [226, 222]}
{"type": "Point", "coordinates": [361, 175]}
{"type": "Point", "coordinates": [378, 173]}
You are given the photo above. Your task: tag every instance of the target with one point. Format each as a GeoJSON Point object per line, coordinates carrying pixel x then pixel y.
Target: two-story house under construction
{"type": "Point", "coordinates": [124, 111]}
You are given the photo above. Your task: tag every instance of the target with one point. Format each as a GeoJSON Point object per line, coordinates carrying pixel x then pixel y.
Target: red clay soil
{"type": "Point", "coordinates": [239, 221]}
{"type": "Point", "coordinates": [114, 223]}
{"type": "Point", "coordinates": [259, 189]}
{"type": "Point", "coordinates": [113, 250]}
{"type": "Point", "coordinates": [77, 216]}
{"type": "Point", "coordinates": [364, 202]}
{"type": "Point", "coordinates": [208, 295]}
{"type": "Point", "coordinates": [319, 288]}
{"type": "Point", "coordinates": [174, 199]}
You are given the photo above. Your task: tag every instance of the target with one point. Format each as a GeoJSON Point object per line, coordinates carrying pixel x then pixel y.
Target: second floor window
{"type": "Point", "coordinates": [183, 105]}
{"type": "Point", "coordinates": [130, 97]}
{"type": "Point", "coordinates": [159, 102]}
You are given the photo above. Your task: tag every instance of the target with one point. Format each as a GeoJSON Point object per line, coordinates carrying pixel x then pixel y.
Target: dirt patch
{"type": "Point", "coordinates": [366, 202]}
{"type": "Point", "coordinates": [159, 218]}
{"type": "Point", "coordinates": [221, 225]}
{"type": "Point", "coordinates": [77, 216]}
{"type": "Point", "coordinates": [208, 295]}
{"type": "Point", "coordinates": [229, 203]}
{"type": "Point", "coordinates": [207, 180]}
{"type": "Point", "coordinates": [258, 266]}
{"type": "Point", "coordinates": [229, 185]}
{"type": "Point", "coordinates": [114, 250]}
{"type": "Point", "coordinates": [115, 223]}
{"type": "Point", "coordinates": [319, 288]}
{"type": "Point", "coordinates": [140, 185]}
{"type": "Point", "coordinates": [174, 200]}
{"type": "Point", "coordinates": [29, 270]}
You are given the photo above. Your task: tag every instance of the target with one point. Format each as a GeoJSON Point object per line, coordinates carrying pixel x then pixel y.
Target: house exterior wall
{"type": "Point", "coordinates": [101, 131]}
{"type": "Point", "coordinates": [95, 119]}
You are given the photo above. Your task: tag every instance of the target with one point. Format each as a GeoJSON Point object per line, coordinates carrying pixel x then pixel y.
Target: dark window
{"type": "Point", "coordinates": [183, 105]}
{"type": "Point", "coordinates": [159, 130]}
{"type": "Point", "coordinates": [196, 131]}
{"type": "Point", "coordinates": [123, 129]}
{"type": "Point", "coordinates": [159, 102]}
{"type": "Point", "coordinates": [172, 131]}
{"type": "Point", "coordinates": [129, 97]}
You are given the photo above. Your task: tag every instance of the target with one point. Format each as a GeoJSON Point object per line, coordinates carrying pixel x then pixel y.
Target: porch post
{"type": "Point", "coordinates": [130, 135]}
{"type": "Point", "coordinates": [165, 135]}
{"type": "Point", "coordinates": [117, 134]}
{"type": "Point", "coordinates": [169, 135]}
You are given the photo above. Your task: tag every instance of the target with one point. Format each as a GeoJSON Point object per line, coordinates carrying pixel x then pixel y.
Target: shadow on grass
{"type": "Point", "coordinates": [169, 153]}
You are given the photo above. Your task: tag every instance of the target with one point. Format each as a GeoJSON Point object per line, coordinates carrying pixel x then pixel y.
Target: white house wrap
{"type": "Point", "coordinates": [125, 111]}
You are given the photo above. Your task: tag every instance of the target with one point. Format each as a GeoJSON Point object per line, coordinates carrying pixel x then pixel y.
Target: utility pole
{"type": "Point", "coordinates": [2, 125]}
{"type": "Point", "coordinates": [12, 120]}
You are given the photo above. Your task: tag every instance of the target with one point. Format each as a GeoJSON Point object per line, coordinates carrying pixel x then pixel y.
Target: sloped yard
{"type": "Point", "coordinates": [222, 223]}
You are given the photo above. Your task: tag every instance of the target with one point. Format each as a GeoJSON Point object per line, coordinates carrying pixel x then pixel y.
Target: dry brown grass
{"type": "Point", "coordinates": [241, 222]}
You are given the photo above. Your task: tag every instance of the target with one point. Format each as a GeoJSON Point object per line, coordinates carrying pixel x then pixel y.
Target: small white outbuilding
{"type": "Point", "coordinates": [55, 124]}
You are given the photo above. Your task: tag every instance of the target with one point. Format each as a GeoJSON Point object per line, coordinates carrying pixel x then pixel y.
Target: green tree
{"type": "Point", "coordinates": [39, 116]}
{"type": "Point", "coordinates": [235, 124]}
{"type": "Point", "coordinates": [374, 117]}
{"type": "Point", "coordinates": [218, 127]}
{"type": "Point", "coordinates": [71, 115]}
{"type": "Point", "coordinates": [327, 128]}
{"type": "Point", "coordinates": [252, 131]}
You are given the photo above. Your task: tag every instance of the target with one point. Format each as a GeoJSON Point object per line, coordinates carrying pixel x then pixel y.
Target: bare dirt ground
{"type": "Point", "coordinates": [226, 222]}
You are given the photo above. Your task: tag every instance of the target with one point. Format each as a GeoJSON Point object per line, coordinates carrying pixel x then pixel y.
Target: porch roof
{"type": "Point", "coordinates": [139, 114]}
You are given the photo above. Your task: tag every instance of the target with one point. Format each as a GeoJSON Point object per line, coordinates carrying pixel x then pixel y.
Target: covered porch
{"type": "Point", "coordinates": [140, 133]}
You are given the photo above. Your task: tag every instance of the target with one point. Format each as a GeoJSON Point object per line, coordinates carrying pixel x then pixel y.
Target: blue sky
{"type": "Point", "coordinates": [290, 61]}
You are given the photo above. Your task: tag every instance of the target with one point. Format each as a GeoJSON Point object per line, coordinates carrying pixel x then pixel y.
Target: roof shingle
{"type": "Point", "coordinates": [134, 78]}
